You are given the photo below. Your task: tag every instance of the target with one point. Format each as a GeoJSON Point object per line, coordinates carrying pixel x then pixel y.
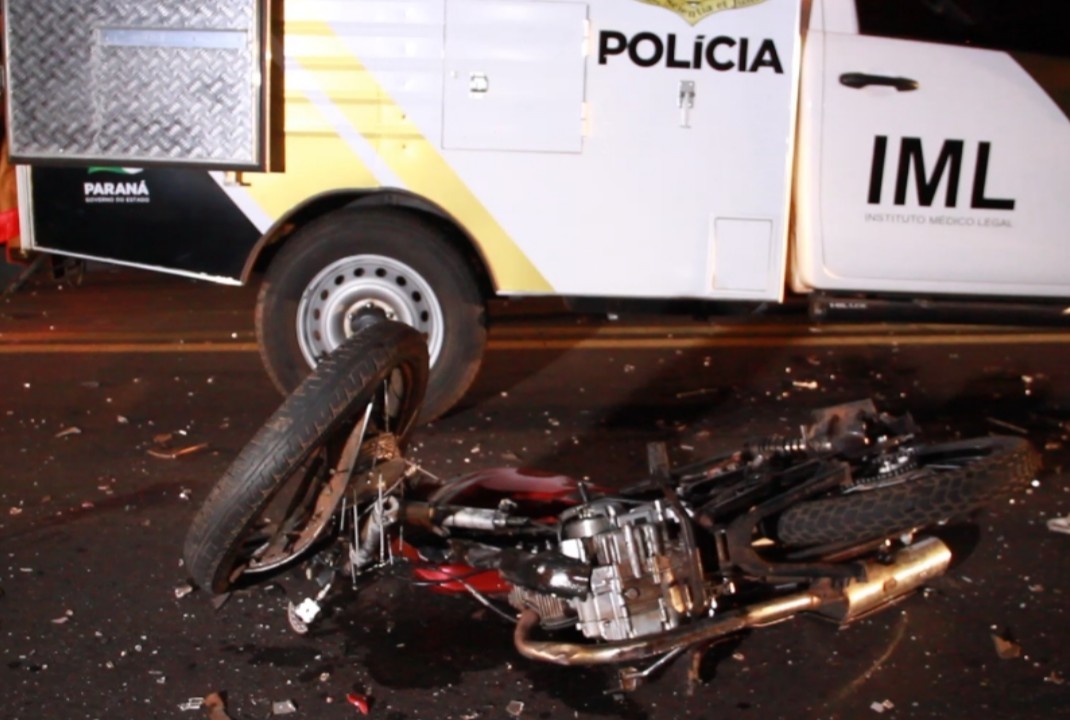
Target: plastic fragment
{"type": "Point", "coordinates": [1006, 649]}
{"type": "Point", "coordinates": [216, 707]}
{"type": "Point", "coordinates": [283, 707]}
{"type": "Point", "coordinates": [360, 702]}
{"type": "Point", "coordinates": [72, 430]}
{"type": "Point", "coordinates": [183, 590]}
{"type": "Point", "coordinates": [1059, 525]}
{"type": "Point", "coordinates": [805, 384]}
{"type": "Point", "coordinates": [194, 703]}
{"type": "Point", "coordinates": [515, 708]}
{"type": "Point", "coordinates": [301, 616]}
{"type": "Point", "coordinates": [175, 454]}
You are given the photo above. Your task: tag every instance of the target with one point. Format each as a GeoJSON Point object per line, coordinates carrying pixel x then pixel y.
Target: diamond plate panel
{"type": "Point", "coordinates": [133, 82]}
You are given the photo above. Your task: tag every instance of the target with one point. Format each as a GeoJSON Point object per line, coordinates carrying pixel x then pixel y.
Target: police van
{"type": "Point", "coordinates": [415, 158]}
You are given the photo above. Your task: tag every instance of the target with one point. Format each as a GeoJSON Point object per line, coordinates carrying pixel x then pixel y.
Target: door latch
{"type": "Point", "coordinates": [478, 84]}
{"type": "Point", "coordinates": [686, 102]}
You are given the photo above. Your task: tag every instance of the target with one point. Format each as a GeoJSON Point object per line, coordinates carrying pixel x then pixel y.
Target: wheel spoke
{"type": "Point", "coordinates": [288, 483]}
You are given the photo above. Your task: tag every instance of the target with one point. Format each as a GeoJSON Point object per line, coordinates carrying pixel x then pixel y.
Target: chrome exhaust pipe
{"type": "Point", "coordinates": [885, 583]}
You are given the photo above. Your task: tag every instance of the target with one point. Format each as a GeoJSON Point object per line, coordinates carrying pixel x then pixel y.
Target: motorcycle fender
{"type": "Point", "coordinates": [535, 493]}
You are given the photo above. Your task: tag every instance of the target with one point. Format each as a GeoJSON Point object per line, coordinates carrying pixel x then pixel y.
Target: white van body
{"type": "Point", "coordinates": [713, 150]}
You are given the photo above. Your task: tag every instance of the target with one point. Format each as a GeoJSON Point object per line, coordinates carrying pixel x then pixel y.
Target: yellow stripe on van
{"type": "Point", "coordinates": [318, 158]}
{"type": "Point", "coordinates": [355, 92]}
{"type": "Point", "coordinates": [315, 163]}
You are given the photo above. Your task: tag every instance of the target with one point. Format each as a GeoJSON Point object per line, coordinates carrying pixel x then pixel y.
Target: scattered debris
{"type": "Point", "coordinates": [15, 510]}
{"type": "Point", "coordinates": [195, 703]}
{"type": "Point", "coordinates": [515, 708]}
{"type": "Point", "coordinates": [1055, 678]}
{"type": "Point", "coordinates": [283, 707]}
{"type": "Point", "coordinates": [1007, 426]}
{"type": "Point", "coordinates": [693, 393]}
{"type": "Point", "coordinates": [1006, 649]}
{"type": "Point", "coordinates": [216, 707]}
{"type": "Point", "coordinates": [360, 702]}
{"type": "Point", "coordinates": [1059, 525]}
{"type": "Point", "coordinates": [66, 432]}
{"type": "Point", "coordinates": [183, 590]}
{"type": "Point", "coordinates": [880, 707]}
{"type": "Point", "coordinates": [175, 454]}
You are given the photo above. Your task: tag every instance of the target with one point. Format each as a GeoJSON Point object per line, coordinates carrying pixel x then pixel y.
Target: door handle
{"type": "Point", "coordinates": [858, 81]}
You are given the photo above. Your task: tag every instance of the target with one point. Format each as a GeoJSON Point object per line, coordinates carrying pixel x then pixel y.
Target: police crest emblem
{"type": "Point", "coordinates": [695, 10]}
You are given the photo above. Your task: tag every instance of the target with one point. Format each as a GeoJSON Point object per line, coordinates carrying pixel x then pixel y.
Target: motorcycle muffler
{"type": "Point", "coordinates": [885, 583]}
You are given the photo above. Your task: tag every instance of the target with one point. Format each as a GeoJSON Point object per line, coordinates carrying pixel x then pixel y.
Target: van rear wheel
{"type": "Point", "coordinates": [353, 263]}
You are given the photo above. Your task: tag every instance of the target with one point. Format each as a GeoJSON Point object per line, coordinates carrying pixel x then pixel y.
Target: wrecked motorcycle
{"type": "Point", "coordinates": [830, 522]}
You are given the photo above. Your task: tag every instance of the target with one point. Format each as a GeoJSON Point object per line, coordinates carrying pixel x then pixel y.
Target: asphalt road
{"type": "Point", "coordinates": [91, 521]}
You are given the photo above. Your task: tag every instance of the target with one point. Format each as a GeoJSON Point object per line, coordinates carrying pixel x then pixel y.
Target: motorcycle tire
{"type": "Point", "coordinates": [323, 409]}
{"type": "Point", "coordinates": [950, 479]}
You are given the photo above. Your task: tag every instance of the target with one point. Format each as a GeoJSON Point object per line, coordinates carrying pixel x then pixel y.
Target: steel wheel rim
{"type": "Point", "coordinates": [365, 283]}
{"type": "Point", "coordinates": [389, 398]}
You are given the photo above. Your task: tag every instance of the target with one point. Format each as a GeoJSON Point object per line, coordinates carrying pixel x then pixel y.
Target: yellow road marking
{"type": "Point", "coordinates": [683, 343]}
{"type": "Point", "coordinates": [34, 343]}
{"type": "Point", "coordinates": [123, 348]}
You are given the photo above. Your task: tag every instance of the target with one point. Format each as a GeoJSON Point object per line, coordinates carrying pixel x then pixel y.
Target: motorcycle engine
{"type": "Point", "coordinates": [645, 578]}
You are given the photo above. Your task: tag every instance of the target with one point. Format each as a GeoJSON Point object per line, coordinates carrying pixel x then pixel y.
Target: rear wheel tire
{"type": "Point", "coordinates": [952, 479]}
{"type": "Point", "coordinates": [376, 260]}
{"type": "Point", "coordinates": [263, 511]}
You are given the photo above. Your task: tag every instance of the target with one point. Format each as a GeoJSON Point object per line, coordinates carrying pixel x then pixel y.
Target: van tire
{"type": "Point", "coordinates": [371, 260]}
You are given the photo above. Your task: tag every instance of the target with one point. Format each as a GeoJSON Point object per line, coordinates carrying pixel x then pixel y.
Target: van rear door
{"type": "Point", "coordinates": [944, 148]}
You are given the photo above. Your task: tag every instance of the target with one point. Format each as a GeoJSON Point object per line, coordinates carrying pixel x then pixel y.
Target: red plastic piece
{"type": "Point", "coordinates": [360, 702]}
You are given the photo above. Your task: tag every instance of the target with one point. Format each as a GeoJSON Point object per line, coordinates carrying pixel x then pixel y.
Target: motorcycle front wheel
{"type": "Point", "coordinates": [274, 501]}
{"type": "Point", "coordinates": [948, 480]}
